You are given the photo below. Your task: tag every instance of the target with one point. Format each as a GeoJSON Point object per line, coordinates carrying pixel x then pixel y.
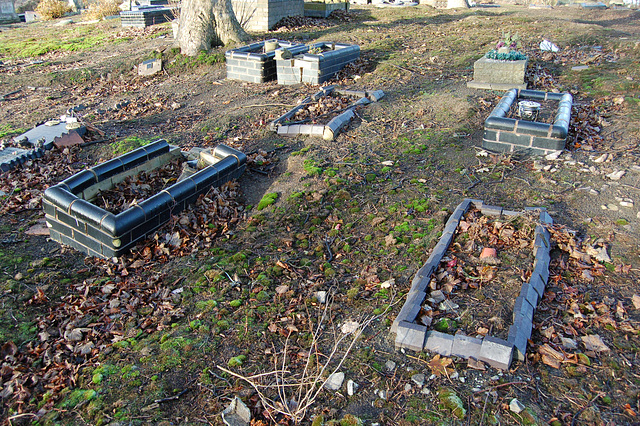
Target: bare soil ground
{"type": "Point", "coordinates": [234, 282]}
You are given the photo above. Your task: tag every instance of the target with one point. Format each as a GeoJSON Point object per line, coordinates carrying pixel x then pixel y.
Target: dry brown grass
{"type": "Point", "coordinates": [102, 8]}
{"type": "Point", "coordinates": [52, 9]}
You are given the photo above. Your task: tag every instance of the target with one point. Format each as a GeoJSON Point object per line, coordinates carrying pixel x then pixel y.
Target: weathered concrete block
{"type": "Point", "coordinates": [438, 342]}
{"type": "Point", "coordinates": [496, 352]}
{"type": "Point", "coordinates": [466, 346]}
{"type": "Point", "coordinates": [410, 336]}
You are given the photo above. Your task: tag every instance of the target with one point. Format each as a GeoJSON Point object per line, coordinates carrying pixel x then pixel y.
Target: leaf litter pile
{"type": "Point", "coordinates": [322, 110]}
{"type": "Point", "coordinates": [139, 187]}
{"type": "Point", "coordinates": [481, 275]}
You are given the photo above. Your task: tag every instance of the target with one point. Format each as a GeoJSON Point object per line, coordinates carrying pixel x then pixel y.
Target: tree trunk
{"type": "Point", "coordinates": [207, 23]}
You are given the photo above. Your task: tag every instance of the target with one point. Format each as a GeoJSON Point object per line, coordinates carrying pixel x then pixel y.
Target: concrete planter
{"type": "Point", "coordinates": [146, 17]}
{"type": "Point", "coordinates": [251, 63]}
{"type": "Point", "coordinates": [496, 352]}
{"type": "Point", "coordinates": [493, 74]}
{"type": "Point", "coordinates": [320, 9]}
{"type": "Point", "coordinates": [332, 128]}
{"type": "Point", "coordinates": [74, 221]}
{"type": "Point", "coordinates": [316, 68]}
{"type": "Point", "coordinates": [509, 134]}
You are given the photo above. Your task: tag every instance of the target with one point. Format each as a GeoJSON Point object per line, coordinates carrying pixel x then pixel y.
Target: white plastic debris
{"type": "Point", "coordinates": [547, 46]}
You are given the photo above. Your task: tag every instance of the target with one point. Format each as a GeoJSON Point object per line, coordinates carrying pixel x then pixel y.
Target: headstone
{"type": "Point", "coordinates": [7, 12]}
{"type": "Point", "coordinates": [150, 67]}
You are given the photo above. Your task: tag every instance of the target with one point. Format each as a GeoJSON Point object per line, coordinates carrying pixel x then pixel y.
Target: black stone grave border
{"type": "Point", "coordinates": [74, 221]}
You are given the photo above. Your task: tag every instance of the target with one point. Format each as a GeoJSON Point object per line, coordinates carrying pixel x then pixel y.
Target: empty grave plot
{"type": "Point", "coordinates": [482, 281]}
{"type": "Point", "coordinates": [325, 113]}
{"type": "Point", "coordinates": [479, 278]}
{"type": "Point", "coordinates": [105, 210]}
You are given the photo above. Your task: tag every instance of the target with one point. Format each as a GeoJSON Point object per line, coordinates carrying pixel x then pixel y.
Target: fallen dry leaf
{"type": "Point", "coordinates": [593, 342]}
{"type": "Point", "coordinates": [440, 365]}
{"type": "Point", "coordinates": [636, 301]}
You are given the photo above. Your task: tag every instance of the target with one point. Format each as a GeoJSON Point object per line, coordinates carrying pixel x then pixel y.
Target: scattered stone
{"type": "Point", "coordinates": [603, 158]}
{"type": "Point", "coordinates": [175, 106]}
{"type": "Point", "coordinates": [390, 365]}
{"type": "Point", "coordinates": [448, 306]}
{"type": "Point", "coordinates": [636, 301]}
{"type": "Point", "coordinates": [418, 379]}
{"type": "Point", "coordinates": [387, 163]}
{"type": "Point", "coordinates": [568, 343]}
{"type": "Point", "coordinates": [39, 228]}
{"type": "Point", "coordinates": [349, 327]}
{"type": "Point", "coordinates": [612, 207]}
{"type": "Point", "coordinates": [516, 406]}
{"type": "Point", "coordinates": [236, 414]}
{"type": "Point", "coordinates": [321, 296]}
{"type": "Point", "coordinates": [384, 394]}
{"type": "Point", "coordinates": [18, 276]}
{"type": "Point", "coordinates": [388, 283]}
{"type": "Point", "coordinates": [425, 391]}
{"type": "Point", "coordinates": [580, 68]}
{"type": "Point", "coordinates": [454, 375]}
{"type": "Point", "coordinates": [553, 156]}
{"type": "Point", "coordinates": [352, 387]}
{"type": "Point", "coordinates": [407, 387]}
{"type": "Point", "coordinates": [626, 202]}
{"type": "Point", "coordinates": [334, 382]}
{"type": "Point", "coordinates": [282, 289]}
{"type": "Point", "coordinates": [617, 175]}
{"type": "Point", "coordinates": [437, 296]}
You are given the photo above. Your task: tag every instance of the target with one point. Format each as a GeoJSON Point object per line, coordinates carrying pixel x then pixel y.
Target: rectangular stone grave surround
{"type": "Point", "coordinates": [263, 15]}
{"type": "Point", "coordinates": [316, 68]}
{"type": "Point", "coordinates": [495, 74]}
{"type": "Point", "coordinates": [146, 16]}
{"type": "Point", "coordinates": [332, 128]}
{"type": "Point", "coordinates": [250, 63]}
{"type": "Point", "coordinates": [74, 221]}
{"type": "Point", "coordinates": [8, 13]}
{"type": "Point", "coordinates": [495, 352]}
{"type": "Point", "coordinates": [321, 9]}
{"type": "Point", "coordinates": [504, 134]}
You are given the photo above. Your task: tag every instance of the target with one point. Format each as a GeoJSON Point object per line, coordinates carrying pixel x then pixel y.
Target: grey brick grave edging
{"type": "Point", "coordinates": [250, 63]}
{"type": "Point", "coordinates": [508, 134]}
{"type": "Point", "coordinates": [316, 68]}
{"type": "Point", "coordinates": [73, 220]}
{"type": "Point", "coordinates": [496, 352]}
{"type": "Point", "coordinates": [332, 128]}
{"type": "Point", "coordinates": [146, 16]}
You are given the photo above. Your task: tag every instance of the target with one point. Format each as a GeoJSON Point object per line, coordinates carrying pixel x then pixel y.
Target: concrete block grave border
{"type": "Point", "coordinates": [147, 16]}
{"type": "Point", "coordinates": [322, 9]}
{"type": "Point", "coordinates": [250, 63]}
{"type": "Point", "coordinates": [504, 134]}
{"type": "Point", "coordinates": [332, 128]}
{"type": "Point", "coordinates": [74, 221]}
{"type": "Point", "coordinates": [494, 351]}
{"type": "Point", "coordinates": [316, 68]}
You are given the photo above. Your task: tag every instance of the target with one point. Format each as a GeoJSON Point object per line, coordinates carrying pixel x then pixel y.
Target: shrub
{"type": "Point", "coordinates": [52, 9]}
{"type": "Point", "coordinates": [102, 9]}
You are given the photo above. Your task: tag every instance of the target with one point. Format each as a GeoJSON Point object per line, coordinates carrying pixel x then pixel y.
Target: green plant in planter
{"type": "Point", "coordinates": [506, 49]}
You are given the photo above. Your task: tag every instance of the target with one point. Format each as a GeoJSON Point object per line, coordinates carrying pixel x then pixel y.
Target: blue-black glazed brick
{"type": "Point", "coordinates": [79, 182]}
